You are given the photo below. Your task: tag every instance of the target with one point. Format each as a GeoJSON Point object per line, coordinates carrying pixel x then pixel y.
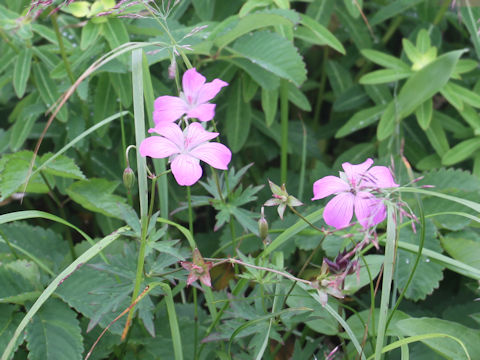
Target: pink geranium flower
{"type": "Point", "coordinates": [185, 150]}
{"type": "Point", "coordinates": [353, 191]}
{"type": "Point", "coordinates": [199, 269]}
{"type": "Point", "coordinates": [193, 101]}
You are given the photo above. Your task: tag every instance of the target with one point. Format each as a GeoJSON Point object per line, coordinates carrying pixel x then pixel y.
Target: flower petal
{"type": "Point", "coordinates": [214, 154]}
{"type": "Point", "coordinates": [192, 82]}
{"type": "Point", "coordinates": [210, 90]}
{"type": "Point", "coordinates": [328, 185]}
{"type": "Point", "coordinates": [379, 177]}
{"type": "Point", "coordinates": [202, 112]}
{"type": "Point", "coordinates": [195, 134]}
{"type": "Point", "coordinates": [205, 279]}
{"type": "Point", "coordinates": [157, 147]}
{"type": "Point", "coordinates": [186, 170]}
{"type": "Point", "coordinates": [172, 132]}
{"type": "Point", "coordinates": [339, 210]}
{"type": "Point", "coordinates": [167, 109]}
{"type": "Point", "coordinates": [369, 210]}
{"type": "Point", "coordinates": [355, 173]}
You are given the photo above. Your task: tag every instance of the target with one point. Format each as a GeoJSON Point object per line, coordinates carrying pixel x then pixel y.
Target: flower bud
{"type": "Point", "coordinates": [128, 178]}
{"type": "Point", "coordinates": [263, 227]}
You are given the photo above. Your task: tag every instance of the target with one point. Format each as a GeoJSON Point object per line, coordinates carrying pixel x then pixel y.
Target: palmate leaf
{"type": "Point", "coordinates": [428, 274]}
{"type": "Point", "coordinates": [273, 53]}
{"type": "Point", "coordinates": [54, 333]}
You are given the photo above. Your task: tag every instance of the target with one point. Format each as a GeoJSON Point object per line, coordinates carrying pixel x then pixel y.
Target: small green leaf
{"type": "Point", "coordinates": [360, 120]}
{"type": "Point", "coordinates": [319, 34]}
{"type": "Point", "coordinates": [79, 8]}
{"type": "Point", "coordinates": [249, 88]}
{"type": "Point", "coordinates": [470, 115]}
{"type": "Point", "coordinates": [387, 122]}
{"type": "Point", "coordinates": [339, 77]}
{"type": "Point", "coordinates": [390, 10]}
{"type": "Point", "coordinates": [269, 105]}
{"type": "Point", "coordinates": [296, 96]}
{"type": "Point", "coordinates": [465, 65]}
{"type": "Point", "coordinates": [451, 96]}
{"type": "Point", "coordinates": [437, 137]}
{"type": "Point", "coordinates": [384, 76]}
{"type": "Point", "coordinates": [105, 103]}
{"type": "Point", "coordinates": [354, 7]}
{"type": "Point", "coordinates": [470, 16]}
{"type": "Point", "coordinates": [21, 72]}
{"type": "Point", "coordinates": [122, 84]}
{"type": "Point", "coordinates": [411, 51]}
{"type": "Point", "coordinates": [90, 33]}
{"type": "Point", "coordinates": [464, 250]}
{"type": "Point", "coordinates": [424, 114]}
{"type": "Point", "coordinates": [263, 78]}
{"type": "Point", "coordinates": [467, 96]}
{"type": "Point", "coordinates": [116, 34]}
{"type": "Point", "coordinates": [423, 41]}
{"type": "Point", "coordinates": [385, 60]}
{"type": "Point", "coordinates": [461, 151]}
{"type": "Point", "coordinates": [62, 166]}
{"type": "Point", "coordinates": [238, 119]}
{"type": "Point", "coordinates": [24, 124]}
{"type": "Point", "coordinates": [10, 317]}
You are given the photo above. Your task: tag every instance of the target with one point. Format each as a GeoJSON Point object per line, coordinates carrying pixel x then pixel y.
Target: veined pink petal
{"type": "Point", "coordinates": [195, 134]}
{"type": "Point", "coordinates": [186, 169]}
{"type": "Point", "coordinates": [192, 82]}
{"type": "Point", "coordinates": [191, 278]}
{"type": "Point", "coordinates": [328, 185]}
{"type": "Point", "coordinates": [369, 210]}
{"type": "Point", "coordinates": [214, 154]}
{"type": "Point", "coordinates": [172, 132]}
{"type": "Point", "coordinates": [339, 211]}
{"type": "Point", "coordinates": [380, 177]}
{"type": "Point", "coordinates": [158, 147]}
{"type": "Point", "coordinates": [168, 109]}
{"type": "Point", "coordinates": [205, 279]}
{"type": "Point", "coordinates": [202, 112]}
{"type": "Point", "coordinates": [355, 173]}
{"type": "Point", "coordinates": [210, 90]}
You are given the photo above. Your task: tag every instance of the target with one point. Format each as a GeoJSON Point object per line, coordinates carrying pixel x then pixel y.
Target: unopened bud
{"type": "Point", "coordinates": [128, 178]}
{"type": "Point", "coordinates": [263, 227]}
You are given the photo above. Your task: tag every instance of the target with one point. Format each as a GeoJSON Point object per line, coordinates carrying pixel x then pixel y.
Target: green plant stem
{"type": "Point", "coordinates": [306, 220]}
{"type": "Point", "coordinates": [190, 211]}
{"type": "Point", "coordinates": [321, 90]}
{"type": "Point", "coordinates": [195, 318]}
{"type": "Point", "coordinates": [284, 130]}
{"type": "Point", "coordinates": [63, 53]}
{"type": "Point", "coordinates": [392, 28]}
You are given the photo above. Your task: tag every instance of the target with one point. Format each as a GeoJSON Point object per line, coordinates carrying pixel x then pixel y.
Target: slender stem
{"type": "Point", "coordinates": [195, 318]}
{"type": "Point", "coordinates": [190, 212]}
{"type": "Point", "coordinates": [321, 90]}
{"type": "Point", "coordinates": [305, 219]}
{"type": "Point", "coordinates": [284, 129]}
{"type": "Point", "coordinates": [2, 235]}
{"type": "Point", "coordinates": [7, 41]}
{"type": "Point", "coordinates": [62, 48]}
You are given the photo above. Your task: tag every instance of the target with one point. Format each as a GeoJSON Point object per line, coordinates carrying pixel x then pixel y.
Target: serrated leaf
{"type": "Point", "coordinates": [9, 320]}
{"type": "Point", "coordinates": [273, 53]}
{"type": "Point", "coordinates": [360, 120]}
{"type": "Point", "coordinates": [318, 34]}
{"type": "Point", "coordinates": [451, 179]}
{"type": "Point", "coordinates": [17, 278]}
{"type": "Point", "coordinates": [239, 118]}
{"type": "Point", "coordinates": [461, 151]}
{"type": "Point", "coordinates": [90, 33]}
{"type": "Point", "coordinates": [54, 333]}
{"type": "Point", "coordinates": [424, 114]}
{"type": "Point", "coordinates": [384, 76]}
{"type": "Point", "coordinates": [428, 274]}
{"type": "Point", "coordinates": [24, 124]}
{"type": "Point", "coordinates": [385, 60]}
{"type": "Point", "coordinates": [269, 105]}
{"type": "Point", "coordinates": [263, 78]}
{"type": "Point", "coordinates": [96, 195]}
{"type": "Point", "coordinates": [62, 166]}
{"type": "Point", "coordinates": [21, 71]}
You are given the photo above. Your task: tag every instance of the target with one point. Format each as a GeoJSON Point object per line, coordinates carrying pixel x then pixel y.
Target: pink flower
{"type": "Point", "coordinates": [193, 101]}
{"type": "Point", "coordinates": [199, 269]}
{"type": "Point", "coordinates": [353, 191]}
{"type": "Point", "coordinates": [185, 150]}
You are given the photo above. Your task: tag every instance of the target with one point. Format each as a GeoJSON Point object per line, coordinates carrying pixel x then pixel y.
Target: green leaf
{"type": "Point", "coordinates": [380, 94]}
{"type": "Point", "coordinates": [465, 66]}
{"type": "Point", "coordinates": [238, 26]}
{"type": "Point", "coordinates": [424, 114]}
{"type": "Point", "coordinates": [24, 124]}
{"type": "Point", "coordinates": [360, 120]}
{"type": "Point", "coordinates": [464, 250]}
{"type": "Point", "coordinates": [353, 7]}
{"type": "Point", "coordinates": [62, 166]}
{"type": "Point", "coordinates": [239, 118]}
{"type": "Point", "coordinates": [318, 34]}
{"type": "Point", "coordinates": [387, 122]}
{"type": "Point", "coordinates": [392, 9]}
{"type": "Point", "coordinates": [461, 151]}
{"type": "Point", "coordinates": [9, 320]}
{"type": "Point", "coordinates": [451, 96]}
{"type": "Point", "coordinates": [48, 90]}
{"type": "Point", "coordinates": [273, 53]}
{"type": "Point", "coordinates": [426, 82]}
{"type": "Point", "coordinates": [470, 16]}
{"type": "Point", "coordinates": [269, 105]}
{"type": "Point", "coordinates": [79, 8]}
{"type": "Point", "coordinates": [471, 116]}
{"type": "Point", "coordinates": [385, 60]}
{"type": "Point", "coordinates": [356, 281]}
{"type": "Point", "coordinates": [451, 179]}
{"type": "Point", "coordinates": [96, 195]}
{"type": "Point", "coordinates": [90, 33]}
{"type": "Point", "coordinates": [296, 96]}
{"type": "Point", "coordinates": [384, 76]}
{"type": "Point", "coordinates": [446, 347]}
{"type": "Point", "coordinates": [356, 29]}
{"type": "Point", "coordinates": [17, 278]}
{"type": "Point", "coordinates": [437, 137]}
{"type": "Point", "coordinates": [339, 77]}
{"type": "Point", "coordinates": [351, 99]}
{"type": "Point", "coordinates": [21, 72]}
{"type": "Point", "coordinates": [467, 96]}
{"type": "Point", "coordinates": [116, 34]}
{"type": "Point", "coordinates": [55, 333]}
{"type": "Point", "coordinates": [105, 103]}
{"type": "Point", "coordinates": [428, 274]}
{"type": "Point", "coordinates": [249, 88]}
{"type": "Point", "coordinates": [263, 78]}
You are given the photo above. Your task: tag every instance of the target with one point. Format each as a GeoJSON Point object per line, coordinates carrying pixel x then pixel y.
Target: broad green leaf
{"type": "Point", "coordinates": [48, 90]}
{"type": "Point", "coordinates": [21, 72]}
{"type": "Point", "coordinates": [436, 136]}
{"type": "Point", "coordinates": [238, 118]}
{"type": "Point", "coordinates": [385, 60]}
{"type": "Point", "coordinates": [204, 9]}
{"type": "Point", "coordinates": [296, 96]}
{"type": "Point", "coordinates": [16, 279]}
{"type": "Point", "coordinates": [62, 166]}
{"type": "Point", "coordinates": [357, 280]}
{"type": "Point", "coordinates": [451, 179]}
{"type": "Point", "coordinates": [269, 105]}
{"type": "Point", "coordinates": [461, 151]}
{"type": "Point", "coordinates": [464, 250]}
{"type": "Point", "coordinates": [429, 162]}
{"type": "Point", "coordinates": [384, 76]}
{"type": "Point", "coordinates": [24, 124]}
{"type": "Point", "coordinates": [263, 78]}
{"type": "Point", "coordinates": [360, 120]}
{"type": "Point", "coordinates": [90, 33]}
{"type": "Point", "coordinates": [392, 9]}
{"type": "Point", "coordinates": [424, 114]}
{"type": "Point", "coordinates": [55, 333]}
{"type": "Point", "coordinates": [426, 82]}
{"type": "Point", "coordinates": [319, 34]}
{"type": "Point", "coordinates": [446, 347]}
{"type": "Point", "coordinates": [10, 317]}
{"type": "Point", "coordinates": [249, 88]}
{"type": "Point", "coordinates": [239, 26]}
{"type": "Point", "coordinates": [428, 274]}
{"type": "Point", "coordinates": [273, 53]}
{"type": "Point", "coordinates": [386, 126]}
{"type": "Point", "coordinates": [466, 95]}
{"type": "Point", "coordinates": [96, 195]}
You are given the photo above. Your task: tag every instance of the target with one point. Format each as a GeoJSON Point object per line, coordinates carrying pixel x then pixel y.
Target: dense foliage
{"type": "Point", "coordinates": [116, 243]}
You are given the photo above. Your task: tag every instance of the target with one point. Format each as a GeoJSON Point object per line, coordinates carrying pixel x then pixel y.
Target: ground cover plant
{"type": "Point", "coordinates": [245, 179]}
